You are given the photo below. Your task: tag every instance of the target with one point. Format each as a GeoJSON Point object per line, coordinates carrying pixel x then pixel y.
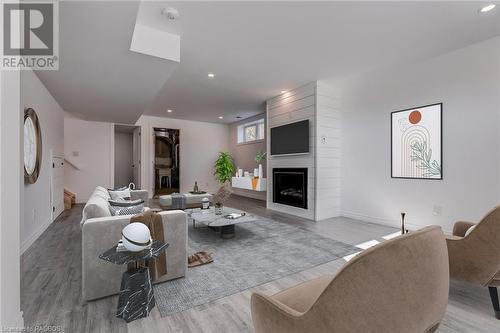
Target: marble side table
{"type": "Point", "coordinates": [136, 298]}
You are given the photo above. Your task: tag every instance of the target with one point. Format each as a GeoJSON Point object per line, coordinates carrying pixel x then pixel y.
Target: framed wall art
{"type": "Point", "coordinates": [416, 143]}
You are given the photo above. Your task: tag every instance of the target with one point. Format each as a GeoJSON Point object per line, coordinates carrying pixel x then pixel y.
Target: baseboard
{"type": "Point", "coordinates": [34, 236]}
{"type": "Point", "coordinates": [379, 220]}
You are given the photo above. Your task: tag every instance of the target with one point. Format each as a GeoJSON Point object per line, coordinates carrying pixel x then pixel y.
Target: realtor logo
{"type": "Point", "coordinates": [30, 35]}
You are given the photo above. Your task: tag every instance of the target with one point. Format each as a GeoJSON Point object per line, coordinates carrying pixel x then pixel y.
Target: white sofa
{"type": "Point", "coordinates": [101, 231]}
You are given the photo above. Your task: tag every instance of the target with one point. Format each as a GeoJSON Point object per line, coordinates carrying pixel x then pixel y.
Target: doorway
{"type": "Point", "coordinates": [166, 162]}
{"type": "Point", "coordinates": [127, 155]}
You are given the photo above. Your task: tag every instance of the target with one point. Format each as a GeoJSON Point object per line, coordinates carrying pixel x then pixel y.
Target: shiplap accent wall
{"type": "Point", "coordinates": [328, 148]}
{"type": "Point", "coordinates": [318, 103]}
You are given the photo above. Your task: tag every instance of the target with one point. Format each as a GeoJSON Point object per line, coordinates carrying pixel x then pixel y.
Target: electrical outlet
{"type": "Point", "coordinates": [437, 210]}
{"type": "Point", "coordinates": [323, 139]}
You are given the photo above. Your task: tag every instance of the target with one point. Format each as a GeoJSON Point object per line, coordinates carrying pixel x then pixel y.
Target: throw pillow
{"type": "Point", "coordinates": [125, 203]}
{"type": "Point", "coordinates": [119, 194]}
{"type": "Point", "coordinates": [121, 188]}
{"type": "Point", "coordinates": [129, 210]}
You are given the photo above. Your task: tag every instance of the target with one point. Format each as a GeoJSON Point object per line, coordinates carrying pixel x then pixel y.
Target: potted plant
{"type": "Point", "coordinates": [224, 170]}
{"type": "Point", "coordinates": [259, 157]}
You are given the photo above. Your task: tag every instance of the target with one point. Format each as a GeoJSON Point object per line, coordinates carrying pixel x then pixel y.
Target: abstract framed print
{"type": "Point", "coordinates": [416, 143]}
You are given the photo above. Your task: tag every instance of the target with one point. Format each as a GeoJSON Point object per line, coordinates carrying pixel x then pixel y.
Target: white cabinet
{"type": "Point", "coordinates": [246, 183]}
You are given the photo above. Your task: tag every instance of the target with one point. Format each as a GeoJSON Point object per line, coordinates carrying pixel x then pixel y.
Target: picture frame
{"type": "Point", "coordinates": [417, 142]}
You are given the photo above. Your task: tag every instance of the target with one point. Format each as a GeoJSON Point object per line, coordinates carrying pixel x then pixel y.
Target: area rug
{"type": "Point", "coordinates": [262, 251]}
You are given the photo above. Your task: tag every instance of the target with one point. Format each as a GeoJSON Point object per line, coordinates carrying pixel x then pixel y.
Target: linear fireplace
{"type": "Point", "coordinates": [290, 186]}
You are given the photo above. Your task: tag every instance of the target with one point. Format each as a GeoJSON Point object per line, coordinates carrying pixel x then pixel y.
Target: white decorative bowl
{"type": "Point", "coordinates": [136, 237]}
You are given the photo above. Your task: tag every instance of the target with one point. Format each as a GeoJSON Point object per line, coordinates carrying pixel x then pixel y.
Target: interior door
{"type": "Point", "coordinates": [137, 157]}
{"type": "Point", "coordinates": [57, 186]}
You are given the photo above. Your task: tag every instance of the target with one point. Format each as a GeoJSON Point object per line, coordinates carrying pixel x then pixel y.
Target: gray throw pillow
{"type": "Point", "coordinates": [125, 203]}
{"type": "Point", "coordinates": [129, 210]}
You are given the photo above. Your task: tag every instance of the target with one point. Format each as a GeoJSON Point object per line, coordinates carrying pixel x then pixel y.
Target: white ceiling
{"type": "Point", "coordinates": [256, 49]}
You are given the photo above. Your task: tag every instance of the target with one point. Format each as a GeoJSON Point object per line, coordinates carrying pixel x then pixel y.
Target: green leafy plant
{"type": "Point", "coordinates": [260, 156]}
{"type": "Point", "coordinates": [224, 167]}
{"type": "Point", "coordinates": [422, 154]}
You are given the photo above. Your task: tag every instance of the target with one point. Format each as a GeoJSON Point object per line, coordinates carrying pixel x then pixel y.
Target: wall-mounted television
{"type": "Point", "coordinates": [290, 139]}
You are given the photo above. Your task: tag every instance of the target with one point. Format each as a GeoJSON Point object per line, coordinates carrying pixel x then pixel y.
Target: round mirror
{"type": "Point", "coordinates": [32, 146]}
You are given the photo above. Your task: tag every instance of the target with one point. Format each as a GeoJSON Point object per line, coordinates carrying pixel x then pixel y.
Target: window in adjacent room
{"type": "Point", "coordinates": [251, 131]}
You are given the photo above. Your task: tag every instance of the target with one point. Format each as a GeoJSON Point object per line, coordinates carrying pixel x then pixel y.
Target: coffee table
{"type": "Point", "coordinates": [210, 219]}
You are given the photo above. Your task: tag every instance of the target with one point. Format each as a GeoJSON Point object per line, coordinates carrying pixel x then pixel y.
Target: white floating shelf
{"type": "Point", "coordinates": [246, 183]}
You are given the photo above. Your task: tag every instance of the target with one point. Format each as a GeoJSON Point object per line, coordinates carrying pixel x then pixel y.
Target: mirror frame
{"type": "Point", "coordinates": [32, 178]}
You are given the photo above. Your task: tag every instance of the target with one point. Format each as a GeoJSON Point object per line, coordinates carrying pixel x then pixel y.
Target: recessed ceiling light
{"type": "Point", "coordinates": [211, 75]}
{"type": "Point", "coordinates": [487, 8]}
{"type": "Point", "coordinates": [283, 91]}
{"type": "Point", "coordinates": [171, 13]}
{"type": "Point", "coordinates": [169, 111]}
{"type": "Point", "coordinates": [221, 117]}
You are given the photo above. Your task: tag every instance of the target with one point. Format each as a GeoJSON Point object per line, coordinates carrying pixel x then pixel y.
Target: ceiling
{"type": "Point", "coordinates": [255, 49]}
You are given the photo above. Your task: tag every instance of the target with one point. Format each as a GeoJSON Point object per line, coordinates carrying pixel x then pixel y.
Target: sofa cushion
{"type": "Point", "coordinates": [97, 206]}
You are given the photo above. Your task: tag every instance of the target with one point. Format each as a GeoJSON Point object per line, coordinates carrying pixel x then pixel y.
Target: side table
{"type": "Point", "coordinates": [136, 298]}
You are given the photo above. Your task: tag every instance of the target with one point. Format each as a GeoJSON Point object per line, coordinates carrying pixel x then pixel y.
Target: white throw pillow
{"type": "Point", "coordinates": [469, 231]}
{"type": "Point", "coordinates": [115, 195]}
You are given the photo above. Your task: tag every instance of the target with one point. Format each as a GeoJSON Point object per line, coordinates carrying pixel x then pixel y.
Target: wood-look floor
{"type": "Point", "coordinates": [51, 285]}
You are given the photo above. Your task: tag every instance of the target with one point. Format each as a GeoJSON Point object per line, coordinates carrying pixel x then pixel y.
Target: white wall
{"type": "Point", "coordinates": [200, 143]}
{"type": "Point", "coordinates": [11, 180]}
{"type": "Point", "coordinates": [89, 145]}
{"type": "Point", "coordinates": [467, 82]}
{"type": "Point", "coordinates": [37, 197]}
{"type": "Point", "coordinates": [124, 173]}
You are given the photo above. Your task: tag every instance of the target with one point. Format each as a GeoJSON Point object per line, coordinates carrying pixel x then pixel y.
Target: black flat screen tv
{"type": "Point", "coordinates": [290, 139]}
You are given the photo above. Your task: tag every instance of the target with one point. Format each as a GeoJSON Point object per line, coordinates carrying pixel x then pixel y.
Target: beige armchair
{"type": "Point", "coordinates": [398, 286]}
{"type": "Point", "coordinates": [475, 258]}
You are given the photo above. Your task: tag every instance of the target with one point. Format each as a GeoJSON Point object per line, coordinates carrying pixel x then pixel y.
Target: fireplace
{"type": "Point", "coordinates": [290, 186]}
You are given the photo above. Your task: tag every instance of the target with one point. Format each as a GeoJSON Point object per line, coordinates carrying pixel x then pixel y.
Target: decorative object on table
{"type": "Point", "coordinates": [136, 237]}
{"type": "Point", "coordinates": [240, 172]}
{"type": "Point", "coordinates": [200, 258]}
{"type": "Point", "coordinates": [131, 186]}
{"type": "Point", "coordinates": [255, 181]}
{"type": "Point", "coordinates": [256, 172]}
{"type": "Point", "coordinates": [32, 146]}
{"type": "Point", "coordinates": [218, 208]}
{"type": "Point", "coordinates": [259, 157]}
{"type": "Point", "coordinates": [403, 230]}
{"type": "Point", "coordinates": [136, 298]}
{"type": "Point", "coordinates": [153, 222]}
{"type": "Point", "coordinates": [196, 189]}
{"type": "Point", "coordinates": [222, 194]}
{"type": "Point", "coordinates": [416, 149]}
{"type": "Point", "coordinates": [205, 203]}
{"type": "Point", "coordinates": [234, 216]}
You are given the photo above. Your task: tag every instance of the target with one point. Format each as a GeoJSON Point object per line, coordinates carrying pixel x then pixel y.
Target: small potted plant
{"type": "Point", "coordinates": [259, 157]}
{"type": "Point", "coordinates": [224, 169]}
